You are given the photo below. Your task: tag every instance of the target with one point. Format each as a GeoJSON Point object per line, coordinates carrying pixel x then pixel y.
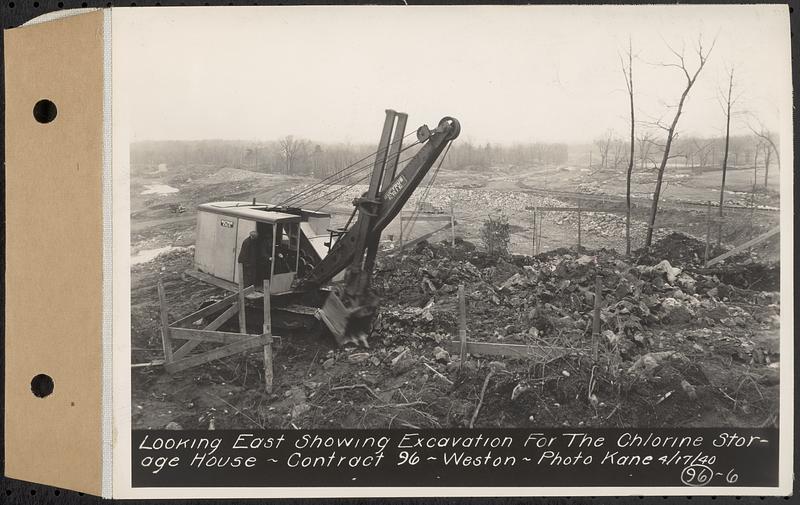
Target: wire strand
{"type": "Point", "coordinates": [335, 174]}
{"type": "Point", "coordinates": [415, 214]}
{"type": "Point", "coordinates": [343, 189]}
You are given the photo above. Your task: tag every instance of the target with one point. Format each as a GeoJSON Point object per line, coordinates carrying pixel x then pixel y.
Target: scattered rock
{"type": "Point", "coordinates": [358, 357]}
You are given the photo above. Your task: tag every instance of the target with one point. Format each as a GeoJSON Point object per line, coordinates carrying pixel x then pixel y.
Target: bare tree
{"type": "Point", "coordinates": [603, 146]}
{"type": "Point", "coordinates": [645, 144]}
{"type": "Point", "coordinates": [628, 74]}
{"type": "Point", "coordinates": [755, 166]}
{"type": "Point", "coordinates": [702, 152]}
{"type": "Point", "coordinates": [769, 147]}
{"type": "Point", "coordinates": [691, 78]}
{"type": "Point", "coordinates": [289, 148]}
{"type": "Point", "coordinates": [729, 100]}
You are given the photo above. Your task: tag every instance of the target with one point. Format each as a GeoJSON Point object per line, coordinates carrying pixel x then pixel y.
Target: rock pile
{"type": "Point", "coordinates": [550, 298]}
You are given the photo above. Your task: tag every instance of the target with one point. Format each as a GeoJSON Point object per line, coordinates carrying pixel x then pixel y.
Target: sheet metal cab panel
{"type": "Point", "coordinates": [215, 245]}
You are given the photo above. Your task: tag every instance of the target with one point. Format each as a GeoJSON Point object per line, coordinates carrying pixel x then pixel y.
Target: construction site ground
{"type": "Point", "coordinates": [679, 345]}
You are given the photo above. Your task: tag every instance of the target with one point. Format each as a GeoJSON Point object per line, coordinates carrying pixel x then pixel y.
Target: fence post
{"type": "Point", "coordinates": [166, 342]}
{"type": "Point", "coordinates": [462, 325]}
{"type": "Point", "coordinates": [708, 234]}
{"type": "Point", "coordinates": [598, 292]}
{"type": "Point", "coordinates": [242, 318]}
{"type": "Point", "coordinates": [579, 226]}
{"type": "Point", "coordinates": [533, 234]}
{"type": "Point", "coordinates": [267, 330]}
{"type": "Point", "coordinates": [539, 238]}
{"type": "Point", "coordinates": [452, 226]}
{"type": "Point", "coordinates": [401, 230]}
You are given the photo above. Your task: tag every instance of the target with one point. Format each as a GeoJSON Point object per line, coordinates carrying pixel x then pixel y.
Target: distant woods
{"type": "Point", "coordinates": [296, 156]}
{"type": "Point", "coordinates": [608, 153]}
{"type": "Point", "coordinates": [611, 152]}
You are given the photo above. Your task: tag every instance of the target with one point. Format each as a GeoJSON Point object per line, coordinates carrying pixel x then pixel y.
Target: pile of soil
{"type": "Point", "coordinates": [676, 347]}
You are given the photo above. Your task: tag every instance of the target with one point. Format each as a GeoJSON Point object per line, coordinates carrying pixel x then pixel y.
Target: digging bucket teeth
{"type": "Point", "coordinates": [347, 324]}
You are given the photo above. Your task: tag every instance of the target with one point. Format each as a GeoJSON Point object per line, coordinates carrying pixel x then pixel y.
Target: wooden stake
{"type": "Point", "coordinates": [242, 318]}
{"type": "Point", "coordinates": [708, 234]}
{"type": "Point", "coordinates": [579, 227]}
{"type": "Point", "coordinates": [452, 226]}
{"type": "Point", "coordinates": [540, 225]}
{"type": "Point", "coordinates": [598, 293]}
{"type": "Point", "coordinates": [267, 330]}
{"type": "Point", "coordinates": [401, 230]}
{"type": "Point", "coordinates": [533, 236]}
{"type": "Point", "coordinates": [165, 336]}
{"type": "Point", "coordinates": [462, 325]}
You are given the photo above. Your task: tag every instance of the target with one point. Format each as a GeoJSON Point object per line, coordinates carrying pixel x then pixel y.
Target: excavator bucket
{"type": "Point", "coordinates": [347, 324]}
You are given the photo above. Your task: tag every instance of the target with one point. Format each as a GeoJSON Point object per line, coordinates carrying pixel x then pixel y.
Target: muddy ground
{"type": "Point", "coordinates": [695, 348]}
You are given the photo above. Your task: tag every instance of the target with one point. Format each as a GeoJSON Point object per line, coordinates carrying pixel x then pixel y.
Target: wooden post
{"type": "Point", "coordinates": [401, 230]}
{"type": "Point", "coordinates": [268, 372]}
{"type": "Point", "coordinates": [598, 293]}
{"type": "Point", "coordinates": [462, 325]}
{"type": "Point", "coordinates": [752, 206]}
{"type": "Point", "coordinates": [579, 227]}
{"type": "Point", "coordinates": [708, 234]}
{"type": "Point", "coordinates": [242, 318]}
{"type": "Point", "coordinates": [165, 336]}
{"type": "Point", "coordinates": [452, 226]}
{"type": "Point", "coordinates": [540, 225]}
{"type": "Point", "coordinates": [533, 236]}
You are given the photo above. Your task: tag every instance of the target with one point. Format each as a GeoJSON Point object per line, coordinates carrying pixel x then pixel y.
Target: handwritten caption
{"type": "Point", "coordinates": [690, 459]}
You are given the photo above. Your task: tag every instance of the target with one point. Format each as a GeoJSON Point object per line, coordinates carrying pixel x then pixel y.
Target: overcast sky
{"type": "Point", "coordinates": [509, 74]}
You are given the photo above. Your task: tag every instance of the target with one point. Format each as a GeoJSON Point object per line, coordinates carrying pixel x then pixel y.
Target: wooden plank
{"type": "Point", "coordinates": [424, 237]}
{"type": "Point", "coordinates": [430, 219]}
{"type": "Point", "coordinates": [218, 353]}
{"type": "Point", "coordinates": [220, 283]}
{"type": "Point", "coordinates": [222, 337]}
{"type": "Point", "coordinates": [267, 329]}
{"type": "Point", "coordinates": [573, 209]}
{"type": "Point", "coordinates": [513, 351]}
{"type": "Point", "coordinates": [155, 362]}
{"type": "Point", "coordinates": [165, 341]}
{"type": "Point", "coordinates": [214, 307]}
{"type": "Point", "coordinates": [186, 348]}
{"type": "Point", "coordinates": [746, 245]}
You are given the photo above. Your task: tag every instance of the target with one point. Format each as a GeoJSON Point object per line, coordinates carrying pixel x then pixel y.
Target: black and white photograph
{"type": "Point", "coordinates": [369, 218]}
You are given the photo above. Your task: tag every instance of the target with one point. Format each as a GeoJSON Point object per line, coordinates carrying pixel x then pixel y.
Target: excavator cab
{"type": "Point", "coordinates": [222, 228]}
{"type": "Point", "coordinates": [302, 254]}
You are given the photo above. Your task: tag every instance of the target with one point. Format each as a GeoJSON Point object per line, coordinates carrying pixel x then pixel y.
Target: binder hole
{"type": "Point", "coordinates": [42, 385]}
{"type": "Point", "coordinates": [45, 111]}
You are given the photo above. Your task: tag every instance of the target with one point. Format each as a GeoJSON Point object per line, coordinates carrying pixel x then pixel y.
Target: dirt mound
{"type": "Point", "coordinates": [678, 249]}
{"type": "Point", "coordinates": [677, 346]}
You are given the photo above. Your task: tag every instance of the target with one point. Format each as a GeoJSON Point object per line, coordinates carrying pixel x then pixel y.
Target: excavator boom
{"type": "Point", "coordinates": [374, 216]}
{"type": "Point", "coordinates": [349, 314]}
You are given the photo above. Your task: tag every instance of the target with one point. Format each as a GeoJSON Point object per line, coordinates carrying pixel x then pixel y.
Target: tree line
{"type": "Point", "coordinates": [292, 155]}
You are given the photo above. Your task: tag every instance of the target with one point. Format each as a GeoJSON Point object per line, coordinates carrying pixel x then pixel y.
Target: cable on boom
{"type": "Point", "coordinates": [295, 197]}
